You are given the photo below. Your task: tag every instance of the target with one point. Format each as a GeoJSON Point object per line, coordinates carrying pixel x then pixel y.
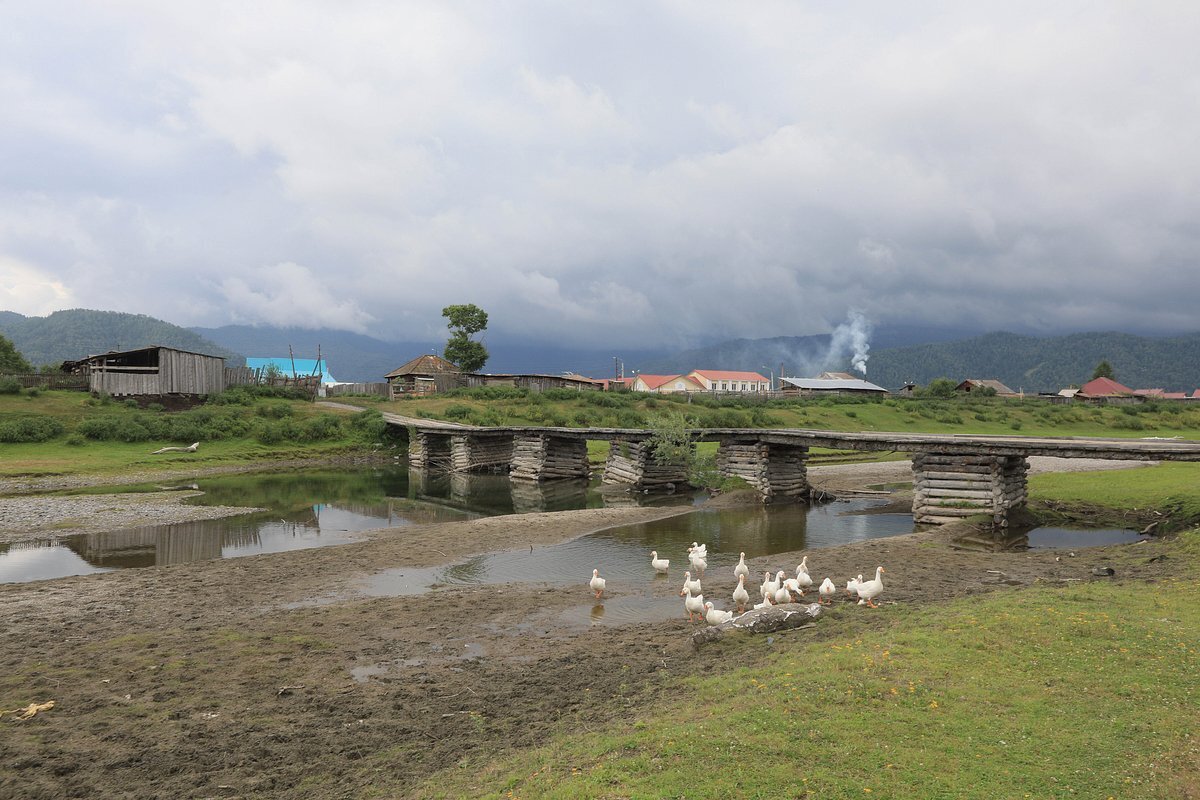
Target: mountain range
{"type": "Point", "coordinates": [897, 355]}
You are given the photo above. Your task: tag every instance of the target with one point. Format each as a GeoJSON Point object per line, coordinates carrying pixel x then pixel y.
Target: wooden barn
{"type": "Point", "coordinates": [152, 371]}
{"type": "Point", "coordinates": [424, 375]}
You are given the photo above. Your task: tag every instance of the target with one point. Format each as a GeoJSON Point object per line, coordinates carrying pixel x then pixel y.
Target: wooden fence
{"type": "Point", "coordinates": [339, 389]}
{"type": "Point", "coordinates": [51, 380]}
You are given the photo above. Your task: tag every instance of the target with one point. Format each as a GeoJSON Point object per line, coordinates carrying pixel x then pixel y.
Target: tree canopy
{"type": "Point", "coordinates": [464, 321]}
{"type": "Point", "coordinates": [1103, 370]}
{"type": "Point", "coordinates": [10, 360]}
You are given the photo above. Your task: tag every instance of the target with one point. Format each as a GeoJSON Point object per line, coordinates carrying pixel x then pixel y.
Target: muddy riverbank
{"type": "Point", "coordinates": [274, 676]}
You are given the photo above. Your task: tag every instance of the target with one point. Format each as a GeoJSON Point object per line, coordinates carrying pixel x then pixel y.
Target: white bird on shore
{"type": "Point", "coordinates": [694, 604]}
{"type": "Point", "coordinates": [826, 591]}
{"type": "Point", "coordinates": [768, 588]}
{"type": "Point", "coordinates": [852, 586]}
{"type": "Point", "coordinates": [699, 563]}
{"type": "Point", "coordinates": [597, 583]}
{"type": "Point", "coordinates": [699, 549]}
{"type": "Point", "coordinates": [782, 595]}
{"type": "Point", "coordinates": [740, 595]}
{"type": "Point", "coordinates": [741, 570]}
{"type": "Point", "coordinates": [659, 564]}
{"type": "Point", "coordinates": [690, 585]}
{"type": "Point", "coordinates": [803, 579]}
{"type": "Point", "coordinates": [716, 616]}
{"type": "Point", "coordinates": [869, 590]}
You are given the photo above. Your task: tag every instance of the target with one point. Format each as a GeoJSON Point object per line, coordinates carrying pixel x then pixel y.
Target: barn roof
{"type": "Point", "coordinates": [826, 385]}
{"type": "Point", "coordinates": [990, 383]}
{"type": "Point", "coordinates": [1104, 387]}
{"type": "Point", "coordinates": [728, 375]}
{"type": "Point", "coordinates": [428, 364]}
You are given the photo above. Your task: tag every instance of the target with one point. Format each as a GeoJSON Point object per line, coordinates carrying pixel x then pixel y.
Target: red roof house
{"type": "Point", "coordinates": [1104, 387]}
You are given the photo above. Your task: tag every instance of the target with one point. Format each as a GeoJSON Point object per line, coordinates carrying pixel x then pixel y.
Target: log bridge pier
{"type": "Point", "coordinates": [953, 476]}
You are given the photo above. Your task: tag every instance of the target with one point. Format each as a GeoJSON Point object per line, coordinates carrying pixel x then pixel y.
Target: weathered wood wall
{"type": "Point", "coordinates": [177, 373]}
{"type": "Point", "coordinates": [777, 471]}
{"type": "Point", "coordinates": [948, 487]}
{"type": "Point", "coordinates": [471, 452]}
{"type": "Point", "coordinates": [631, 463]}
{"type": "Point", "coordinates": [339, 389]}
{"type": "Point", "coordinates": [543, 456]}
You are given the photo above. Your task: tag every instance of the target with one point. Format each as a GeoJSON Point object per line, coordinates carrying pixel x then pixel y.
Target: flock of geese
{"type": "Point", "coordinates": [774, 590]}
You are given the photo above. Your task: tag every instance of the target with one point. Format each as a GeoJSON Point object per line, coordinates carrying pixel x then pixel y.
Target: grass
{"type": "Point", "coordinates": [254, 430]}
{"type": "Point", "coordinates": [1172, 489]}
{"type": "Point", "coordinates": [1087, 691]}
{"type": "Point", "coordinates": [955, 415]}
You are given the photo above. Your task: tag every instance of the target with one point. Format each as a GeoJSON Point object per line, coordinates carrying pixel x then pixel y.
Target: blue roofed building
{"type": "Point", "coordinates": [303, 367]}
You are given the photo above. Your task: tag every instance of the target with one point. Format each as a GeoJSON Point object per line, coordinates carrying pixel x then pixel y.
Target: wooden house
{"type": "Point", "coordinates": [151, 372]}
{"type": "Point", "coordinates": [971, 384]}
{"type": "Point", "coordinates": [423, 375]}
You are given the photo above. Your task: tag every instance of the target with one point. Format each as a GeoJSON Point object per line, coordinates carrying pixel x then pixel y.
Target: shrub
{"type": "Point", "coordinates": [105, 429]}
{"type": "Point", "coordinates": [157, 407]}
{"type": "Point", "coordinates": [75, 440]}
{"type": "Point", "coordinates": [1016, 426]}
{"type": "Point", "coordinates": [10, 386]}
{"type": "Point", "coordinates": [561, 394]}
{"type": "Point", "coordinates": [276, 432]}
{"type": "Point", "coordinates": [457, 411]}
{"type": "Point", "coordinates": [321, 428]}
{"type": "Point", "coordinates": [369, 426]}
{"type": "Point", "coordinates": [130, 403]}
{"type": "Point", "coordinates": [30, 429]}
{"type": "Point", "coordinates": [33, 391]}
{"type": "Point", "coordinates": [275, 410]}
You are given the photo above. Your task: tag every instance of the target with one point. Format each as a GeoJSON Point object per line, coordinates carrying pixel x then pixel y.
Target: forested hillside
{"type": "Point", "coordinates": [78, 332]}
{"type": "Point", "coordinates": [1045, 364]}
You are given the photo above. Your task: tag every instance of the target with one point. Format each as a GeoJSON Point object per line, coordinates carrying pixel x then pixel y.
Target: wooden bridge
{"type": "Point", "coordinates": [954, 476]}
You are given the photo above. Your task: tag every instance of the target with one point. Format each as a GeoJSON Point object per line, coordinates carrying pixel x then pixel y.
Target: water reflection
{"type": "Point", "coordinates": [1002, 540]}
{"type": "Point", "coordinates": [305, 509]}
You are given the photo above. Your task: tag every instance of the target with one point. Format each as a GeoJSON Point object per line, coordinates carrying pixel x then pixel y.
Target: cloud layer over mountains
{"type": "Point", "coordinates": [664, 171]}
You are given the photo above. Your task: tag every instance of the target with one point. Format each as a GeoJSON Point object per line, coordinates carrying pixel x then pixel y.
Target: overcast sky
{"type": "Point", "coordinates": [642, 172]}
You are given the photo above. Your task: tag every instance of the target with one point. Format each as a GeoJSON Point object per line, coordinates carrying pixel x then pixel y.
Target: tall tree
{"type": "Point", "coordinates": [1103, 370]}
{"type": "Point", "coordinates": [464, 321]}
{"type": "Point", "coordinates": [10, 360]}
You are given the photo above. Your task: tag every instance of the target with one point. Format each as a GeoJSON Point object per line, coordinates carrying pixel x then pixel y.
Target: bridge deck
{"type": "Point", "coordinates": [962, 444]}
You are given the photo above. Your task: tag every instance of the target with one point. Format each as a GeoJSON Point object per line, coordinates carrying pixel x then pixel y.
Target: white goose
{"type": "Point", "coordinates": [597, 583]}
{"type": "Point", "coordinates": [869, 590]}
{"type": "Point", "coordinates": [803, 579]}
{"type": "Point", "coordinates": [659, 564]}
{"type": "Point", "coordinates": [689, 585]}
{"type": "Point", "coordinates": [716, 616]}
{"type": "Point", "coordinates": [694, 604]}
{"type": "Point", "coordinates": [741, 570]}
{"type": "Point", "coordinates": [782, 595]}
{"type": "Point", "coordinates": [852, 586]}
{"type": "Point", "coordinates": [699, 562]}
{"type": "Point", "coordinates": [740, 595]}
{"type": "Point", "coordinates": [768, 588]}
{"type": "Point", "coordinates": [826, 590]}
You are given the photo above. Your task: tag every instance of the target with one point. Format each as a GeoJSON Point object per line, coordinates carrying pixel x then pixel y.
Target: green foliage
{"type": "Point", "coordinates": [1103, 370]}
{"type": "Point", "coordinates": [671, 440]}
{"type": "Point", "coordinates": [938, 387]}
{"type": "Point", "coordinates": [457, 411]}
{"type": "Point", "coordinates": [465, 321]}
{"type": "Point", "coordinates": [10, 359]}
{"type": "Point", "coordinates": [32, 428]}
{"type": "Point", "coordinates": [9, 385]}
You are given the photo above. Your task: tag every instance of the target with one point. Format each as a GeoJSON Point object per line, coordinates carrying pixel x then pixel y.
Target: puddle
{"type": "Point", "coordinates": [1048, 538]}
{"type": "Point", "coordinates": [309, 508]}
{"type": "Point", "coordinates": [623, 556]}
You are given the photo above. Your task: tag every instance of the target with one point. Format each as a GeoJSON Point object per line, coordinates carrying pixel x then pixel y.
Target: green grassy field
{"type": "Point", "coordinates": [956, 415]}
{"type": "Point", "coordinates": [76, 433]}
{"type": "Point", "coordinates": [1086, 691]}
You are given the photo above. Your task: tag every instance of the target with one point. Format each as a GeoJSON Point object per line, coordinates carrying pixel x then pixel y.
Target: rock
{"type": "Point", "coordinates": [765, 620]}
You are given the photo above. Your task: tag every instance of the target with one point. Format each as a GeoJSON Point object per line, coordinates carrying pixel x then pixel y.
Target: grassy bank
{"type": "Point", "coordinates": [1084, 691]}
{"type": "Point", "coordinates": [61, 432]}
{"type": "Point", "coordinates": [963, 414]}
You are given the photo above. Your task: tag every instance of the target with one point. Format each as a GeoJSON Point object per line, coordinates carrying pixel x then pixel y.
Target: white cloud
{"type": "Point", "coordinates": [672, 172]}
{"type": "Point", "coordinates": [30, 291]}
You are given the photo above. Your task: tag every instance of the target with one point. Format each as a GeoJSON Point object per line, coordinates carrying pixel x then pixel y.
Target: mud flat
{"type": "Point", "coordinates": [274, 676]}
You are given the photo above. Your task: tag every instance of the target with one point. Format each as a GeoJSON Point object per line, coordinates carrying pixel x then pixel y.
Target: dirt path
{"type": "Point", "coordinates": [225, 679]}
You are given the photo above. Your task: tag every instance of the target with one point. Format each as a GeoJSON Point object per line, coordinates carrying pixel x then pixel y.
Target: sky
{"type": "Point", "coordinates": [627, 173]}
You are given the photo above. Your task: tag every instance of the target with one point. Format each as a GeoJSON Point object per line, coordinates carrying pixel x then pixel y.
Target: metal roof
{"type": "Point", "coordinates": [827, 385]}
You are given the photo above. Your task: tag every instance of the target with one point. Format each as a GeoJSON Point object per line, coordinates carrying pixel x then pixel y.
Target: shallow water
{"type": "Point", "coordinates": [314, 508]}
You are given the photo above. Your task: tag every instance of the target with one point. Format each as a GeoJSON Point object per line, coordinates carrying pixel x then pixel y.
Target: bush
{"type": "Point", "coordinates": [30, 429]}
{"type": "Point", "coordinates": [75, 440]}
{"type": "Point", "coordinates": [157, 407]}
{"type": "Point", "coordinates": [275, 410]}
{"type": "Point", "coordinates": [276, 432]}
{"type": "Point", "coordinates": [321, 428]}
{"type": "Point", "coordinates": [130, 403]}
{"type": "Point", "coordinates": [33, 391]}
{"type": "Point", "coordinates": [105, 429]}
{"type": "Point", "coordinates": [457, 411]}
{"type": "Point", "coordinates": [10, 386]}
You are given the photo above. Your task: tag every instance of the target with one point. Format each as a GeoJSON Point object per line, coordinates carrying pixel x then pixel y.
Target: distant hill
{"type": "Point", "coordinates": [800, 355]}
{"type": "Point", "coordinates": [78, 332]}
{"type": "Point", "coordinates": [355, 357]}
{"type": "Point", "coordinates": [1046, 364]}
